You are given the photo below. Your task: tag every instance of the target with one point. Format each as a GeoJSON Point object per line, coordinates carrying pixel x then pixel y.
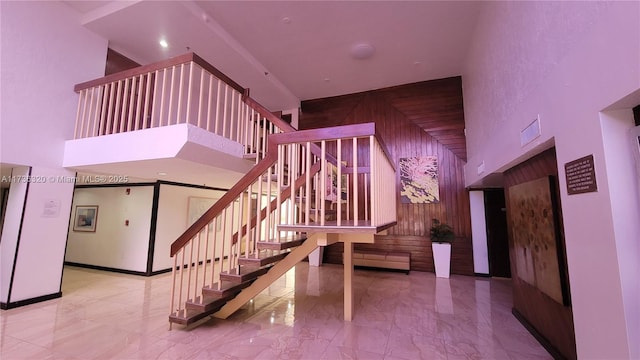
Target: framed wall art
{"type": "Point", "coordinates": [85, 218]}
{"type": "Point", "coordinates": [419, 180]}
{"type": "Point", "coordinates": [536, 240]}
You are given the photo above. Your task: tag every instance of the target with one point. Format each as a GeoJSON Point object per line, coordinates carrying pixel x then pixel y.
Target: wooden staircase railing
{"type": "Point", "coordinates": [273, 209]}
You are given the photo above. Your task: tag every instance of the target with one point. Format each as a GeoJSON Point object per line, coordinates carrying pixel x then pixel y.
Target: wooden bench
{"type": "Point", "coordinates": [382, 259]}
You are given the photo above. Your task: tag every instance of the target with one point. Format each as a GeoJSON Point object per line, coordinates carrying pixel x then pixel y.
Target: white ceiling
{"type": "Point", "coordinates": [288, 51]}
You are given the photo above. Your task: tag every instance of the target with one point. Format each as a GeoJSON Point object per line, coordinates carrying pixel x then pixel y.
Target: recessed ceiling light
{"type": "Point", "coordinates": [362, 51]}
{"type": "Point", "coordinates": [162, 173]}
{"type": "Point", "coordinates": [164, 43]}
{"type": "Point", "coordinates": [286, 20]}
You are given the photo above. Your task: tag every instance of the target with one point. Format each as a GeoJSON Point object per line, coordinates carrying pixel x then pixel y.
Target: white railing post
{"type": "Point", "coordinates": [131, 97]}
{"type": "Point", "coordinates": [339, 182]}
{"type": "Point", "coordinates": [356, 216]}
{"type": "Point", "coordinates": [137, 123]}
{"type": "Point", "coordinates": [180, 89]}
{"type": "Point", "coordinates": [187, 119]}
{"type": "Point", "coordinates": [323, 177]}
{"type": "Point", "coordinates": [224, 113]}
{"type": "Point", "coordinates": [146, 101]}
{"type": "Point", "coordinates": [103, 112]}
{"type": "Point", "coordinates": [373, 177]}
{"type": "Point", "coordinates": [209, 99]}
{"type": "Point", "coordinates": [123, 113]}
{"type": "Point", "coordinates": [217, 120]}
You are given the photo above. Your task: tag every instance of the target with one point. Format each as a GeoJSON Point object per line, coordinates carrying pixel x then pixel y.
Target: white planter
{"type": "Point", "coordinates": [442, 259]}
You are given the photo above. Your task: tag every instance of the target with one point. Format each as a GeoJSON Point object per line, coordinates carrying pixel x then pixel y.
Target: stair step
{"type": "Point", "coordinates": [245, 274]}
{"type": "Point", "coordinates": [214, 300]}
{"type": "Point", "coordinates": [209, 305]}
{"type": "Point", "coordinates": [264, 257]}
{"type": "Point", "coordinates": [227, 289]}
{"type": "Point", "coordinates": [188, 316]}
{"type": "Point", "coordinates": [285, 243]}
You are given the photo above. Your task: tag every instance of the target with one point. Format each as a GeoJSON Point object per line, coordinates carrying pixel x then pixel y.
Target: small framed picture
{"type": "Point", "coordinates": [85, 218]}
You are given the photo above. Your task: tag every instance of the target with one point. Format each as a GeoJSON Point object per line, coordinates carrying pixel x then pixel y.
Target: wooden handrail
{"type": "Point", "coordinates": [283, 125]}
{"type": "Point", "coordinates": [226, 199]}
{"type": "Point", "coordinates": [164, 64]}
{"type": "Point", "coordinates": [332, 133]}
{"type": "Point", "coordinates": [286, 127]}
{"type": "Point", "coordinates": [274, 203]}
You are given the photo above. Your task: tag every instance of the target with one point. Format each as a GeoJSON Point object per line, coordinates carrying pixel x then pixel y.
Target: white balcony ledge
{"type": "Point", "coordinates": [184, 152]}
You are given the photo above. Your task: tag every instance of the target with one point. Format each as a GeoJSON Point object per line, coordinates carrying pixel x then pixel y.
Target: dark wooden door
{"type": "Point", "coordinates": [497, 235]}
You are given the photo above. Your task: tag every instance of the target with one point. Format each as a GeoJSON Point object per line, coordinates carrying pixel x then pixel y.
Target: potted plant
{"type": "Point", "coordinates": [441, 237]}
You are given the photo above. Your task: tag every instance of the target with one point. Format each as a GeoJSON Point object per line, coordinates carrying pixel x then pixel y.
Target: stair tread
{"type": "Point", "coordinates": [187, 317]}
{"type": "Point", "coordinates": [284, 243]}
{"type": "Point", "coordinates": [263, 257]}
{"type": "Point", "coordinates": [226, 289]}
{"type": "Point", "coordinates": [209, 303]}
{"type": "Point", "coordinates": [244, 274]}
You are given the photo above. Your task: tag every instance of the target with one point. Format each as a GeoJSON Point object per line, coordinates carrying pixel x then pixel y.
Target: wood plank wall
{"type": "Point", "coordinates": [406, 139]}
{"type": "Point", "coordinates": [552, 320]}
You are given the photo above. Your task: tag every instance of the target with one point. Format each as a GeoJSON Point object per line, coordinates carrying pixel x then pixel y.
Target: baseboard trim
{"type": "Point", "coordinates": [553, 351]}
{"type": "Point", "coordinates": [12, 305]}
{"type": "Point", "coordinates": [104, 268]}
{"type": "Point", "coordinates": [163, 271]}
{"type": "Point", "coordinates": [481, 275]}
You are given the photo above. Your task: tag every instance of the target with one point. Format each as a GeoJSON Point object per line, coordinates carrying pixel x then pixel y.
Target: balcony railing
{"type": "Point", "coordinates": [182, 90]}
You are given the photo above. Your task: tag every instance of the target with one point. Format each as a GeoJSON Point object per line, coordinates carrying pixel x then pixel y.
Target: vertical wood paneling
{"type": "Point", "coordinates": [552, 320]}
{"type": "Point", "coordinates": [406, 139]}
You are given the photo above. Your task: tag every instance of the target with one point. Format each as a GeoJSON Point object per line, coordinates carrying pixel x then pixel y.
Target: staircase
{"type": "Point", "coordinates": [267, 225]}
{"type": "Point", "coordinates": [307, 188]}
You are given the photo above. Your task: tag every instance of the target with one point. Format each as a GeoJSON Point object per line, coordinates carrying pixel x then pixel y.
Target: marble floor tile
{"type": "Point", "coordinates": [104, 315]}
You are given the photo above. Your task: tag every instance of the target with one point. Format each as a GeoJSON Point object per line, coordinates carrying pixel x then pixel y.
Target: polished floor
{"type": "Point", "coordinates": [113, 316]}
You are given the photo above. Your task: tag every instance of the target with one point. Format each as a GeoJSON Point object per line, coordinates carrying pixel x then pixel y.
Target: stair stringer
{"type": "Point", "coordinates": [264, 281]}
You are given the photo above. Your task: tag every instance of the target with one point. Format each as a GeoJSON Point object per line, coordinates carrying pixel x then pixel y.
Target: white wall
{"type": "Point", "coordinates": [43, 231]}
{"type": "Point", "coordinates": [625, 204]}
{"type": "Point", "coordinates": [173, 208]}
{"type": "Point", "coordinates": [479, 232]}
{"type": "Point", "coordinates": [565, 61]}
{"type": "Point", "coordinates": [113, 244]}
{"type": "Point", "coordinates": [11, 229]}
{"type": "Point", "coordinates": [45, 51]}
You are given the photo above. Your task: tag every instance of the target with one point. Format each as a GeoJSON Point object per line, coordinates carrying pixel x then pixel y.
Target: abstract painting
{"type": "Point", "coordinates": [86, 218]}
{"type": "Point", "coordinates": [419, 180]}
{"type": "Point", "coordinates": [535, 242]}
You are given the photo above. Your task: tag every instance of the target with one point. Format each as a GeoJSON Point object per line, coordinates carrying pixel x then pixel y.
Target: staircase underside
{"type": "Point", "coordinates": [273, 260]}
{"type": "Point", "coordinates": [188, 155]}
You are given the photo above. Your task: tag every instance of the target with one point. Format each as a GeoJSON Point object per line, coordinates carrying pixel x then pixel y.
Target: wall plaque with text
{"type": "Point", "coordinates": [581, 176]}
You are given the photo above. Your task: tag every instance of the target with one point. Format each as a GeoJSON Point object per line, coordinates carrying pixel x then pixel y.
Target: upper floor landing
{"type": "Point", "coordinates": [179, 118]}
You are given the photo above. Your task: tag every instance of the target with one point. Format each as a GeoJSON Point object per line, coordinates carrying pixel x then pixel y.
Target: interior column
{"type": "Point", "coordinates": [348, 281]}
